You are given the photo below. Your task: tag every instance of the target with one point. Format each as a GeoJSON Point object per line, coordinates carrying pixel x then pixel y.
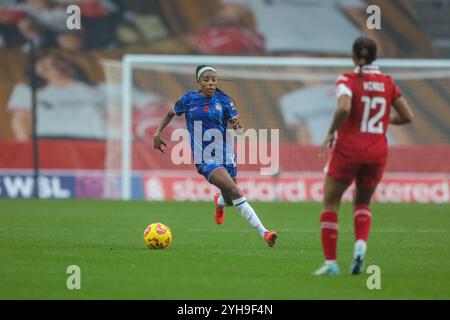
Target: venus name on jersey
{"type": "Point", "coordinates": [373, 86]}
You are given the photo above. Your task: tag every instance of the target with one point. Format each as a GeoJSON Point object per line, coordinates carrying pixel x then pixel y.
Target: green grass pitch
{"type": "Point", "coordinates": [40, 239]}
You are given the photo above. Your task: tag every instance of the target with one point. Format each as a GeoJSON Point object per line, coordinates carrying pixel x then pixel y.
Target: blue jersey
{"type": "Point", "coordinates": [206, 121]}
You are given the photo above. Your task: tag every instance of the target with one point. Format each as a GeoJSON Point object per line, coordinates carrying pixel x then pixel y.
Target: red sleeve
{"type": "Point", "coordinates": [344, 85]}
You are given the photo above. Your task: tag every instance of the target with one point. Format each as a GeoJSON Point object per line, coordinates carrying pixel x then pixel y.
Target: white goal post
{"type": "Point", "coordinates": [132, 61]}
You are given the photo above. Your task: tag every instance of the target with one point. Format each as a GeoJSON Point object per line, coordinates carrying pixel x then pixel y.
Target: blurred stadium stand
{"type": "Point", "coordinates": [410, 29]}
{"type": "Point", "coordinates": [434, 19]}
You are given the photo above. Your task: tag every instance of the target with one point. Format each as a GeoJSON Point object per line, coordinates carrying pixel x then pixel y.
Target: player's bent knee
{"type": "Point", "coordinates": [334, 208]}
{"type": "Point", "coordinates": [332, 203]}
{"type": "Point", "coordinates": [233, 192]}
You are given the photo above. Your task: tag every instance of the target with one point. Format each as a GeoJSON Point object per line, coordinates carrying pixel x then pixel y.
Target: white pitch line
{"type": "Point", "coordinates": [213, 229]}
{"type": "Point", "coordinates": [318, 230]}
{"type": "Point", "coordinates": [61, 229]}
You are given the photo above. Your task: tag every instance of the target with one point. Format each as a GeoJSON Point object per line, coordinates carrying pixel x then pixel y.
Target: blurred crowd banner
{"type": "Point", "coordinates": [188, 186]}
{"type": "Point", "coordinates": [75, 170]}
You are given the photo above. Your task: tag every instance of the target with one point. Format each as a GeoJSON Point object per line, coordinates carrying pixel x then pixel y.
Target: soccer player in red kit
{"type": "Point", "coordinates": [357, 137]}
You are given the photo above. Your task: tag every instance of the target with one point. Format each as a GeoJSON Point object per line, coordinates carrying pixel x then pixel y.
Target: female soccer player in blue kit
{"type": "Point", "coordinates": [206, 111]}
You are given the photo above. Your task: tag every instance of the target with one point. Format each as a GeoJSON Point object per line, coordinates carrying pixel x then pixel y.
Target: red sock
{"type": "Point", "coordinates": [362, 220]}
{"type": "Point", "coordinates": [329, 228]}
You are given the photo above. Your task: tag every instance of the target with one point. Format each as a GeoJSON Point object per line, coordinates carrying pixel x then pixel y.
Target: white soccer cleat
{"type": "Point", "coordinates": [328, 269]}
{"type": "Point", "coordinates": [359, 254]}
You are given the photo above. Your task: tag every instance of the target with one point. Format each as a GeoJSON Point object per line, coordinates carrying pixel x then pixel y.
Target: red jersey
{"type": "Point", "coordinates": [362, 136]}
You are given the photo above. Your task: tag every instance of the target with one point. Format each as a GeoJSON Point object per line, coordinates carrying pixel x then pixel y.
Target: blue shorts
{"type": "Point", "coordinates": [206, 169]}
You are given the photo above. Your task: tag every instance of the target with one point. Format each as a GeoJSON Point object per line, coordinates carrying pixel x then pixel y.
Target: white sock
{"type": "Point", "coordinates": [221, 202]}
{"type": "Point", "coordinates": [359, 248]}
{"type": "Point", "coordinates": [247, 212]}
{"type": "Point", "coordinates": [328, 262]}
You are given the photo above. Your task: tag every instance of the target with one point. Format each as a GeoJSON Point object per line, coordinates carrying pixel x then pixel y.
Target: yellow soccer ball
{"type": "Point", "coordinates": [157, 236]}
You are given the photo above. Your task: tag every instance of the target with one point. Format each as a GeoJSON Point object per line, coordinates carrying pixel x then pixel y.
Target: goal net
{"type": "Point", "coordinates": [296, 97]}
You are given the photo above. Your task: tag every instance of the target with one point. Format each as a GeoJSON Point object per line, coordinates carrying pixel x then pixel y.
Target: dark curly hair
{"type": "Point", "coordinates": [365, 49]}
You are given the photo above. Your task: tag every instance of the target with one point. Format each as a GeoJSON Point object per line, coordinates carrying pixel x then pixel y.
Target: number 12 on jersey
{"type": "Point", "coordinates": [373, 124]}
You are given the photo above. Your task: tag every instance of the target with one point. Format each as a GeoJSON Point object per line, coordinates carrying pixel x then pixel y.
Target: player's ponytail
{"type": "Point", "coordinates": [365, 52]}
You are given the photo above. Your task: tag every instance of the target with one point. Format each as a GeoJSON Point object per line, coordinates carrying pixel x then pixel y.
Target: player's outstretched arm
{"type": "Point", "coordinates": [403, 113]}
{"type": "Point", "coordinates": [343, 109]}
{"type": "Point", "coordinates": [157, 141]}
